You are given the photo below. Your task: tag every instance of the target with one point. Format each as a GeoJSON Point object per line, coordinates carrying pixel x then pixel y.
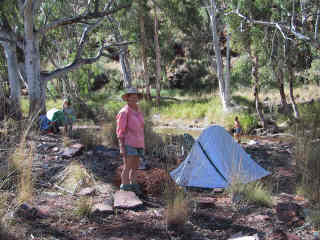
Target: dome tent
{"type": "Point", "coordinates": [216, 160]}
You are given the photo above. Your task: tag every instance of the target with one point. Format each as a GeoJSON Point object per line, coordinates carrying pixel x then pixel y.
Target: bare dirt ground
{"type": "Point", "coordinates": [53, 212]}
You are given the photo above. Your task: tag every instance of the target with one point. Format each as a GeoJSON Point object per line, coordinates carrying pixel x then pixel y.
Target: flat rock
{"type": "Point", "coordinates": [87, 191]}
{"type": "Point", "coordinates": [126, 200]}
{"type": "Point", "coordinates": [102, 208]}
{"type": "Point", "coordinates": [73, 150]}
{"type": "Point", "coordinates": [239, 236]}
{"type": "Point", "coordinates": [205, 202]}
{"type": "Point", "coordinates": [105, 188]}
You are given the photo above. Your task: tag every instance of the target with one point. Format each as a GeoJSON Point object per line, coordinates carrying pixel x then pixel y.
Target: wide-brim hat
{"type": "Point", "coordinates": [131, 91]}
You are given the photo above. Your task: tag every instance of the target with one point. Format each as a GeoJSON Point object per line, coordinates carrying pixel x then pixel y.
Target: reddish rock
{"type": "Point", "coordinates": [152, 181]}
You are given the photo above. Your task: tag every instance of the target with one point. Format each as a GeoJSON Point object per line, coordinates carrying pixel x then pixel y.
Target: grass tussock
{"type": "Point", "coordinates": [84, 207]}
{"type": "Point", "coordinates": [178, 206]}
{"type": "Point", "coordinates": [251, 193]}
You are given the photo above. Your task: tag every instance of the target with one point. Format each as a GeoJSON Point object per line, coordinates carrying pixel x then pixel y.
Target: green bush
{"type": "Point", "coordinates": [313, 72]}
{"type": "Point", "coordinates": [241, 72]}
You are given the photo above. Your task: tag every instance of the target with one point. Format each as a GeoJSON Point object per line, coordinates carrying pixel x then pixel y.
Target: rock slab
{"type": "Point", "coordinates": [102, 208]}
{"type": "Point", "coordinates": [126, 200]}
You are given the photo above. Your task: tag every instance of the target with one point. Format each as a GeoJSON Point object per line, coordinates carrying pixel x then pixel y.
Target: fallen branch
{"type": "Point", "coordinates": [282, 135]}
{"type": "Point", "coordinates": [166, 98]}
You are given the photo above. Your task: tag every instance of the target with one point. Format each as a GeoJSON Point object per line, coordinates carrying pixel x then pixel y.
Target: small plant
{"type": "Point", "coordinates": [84, 207]}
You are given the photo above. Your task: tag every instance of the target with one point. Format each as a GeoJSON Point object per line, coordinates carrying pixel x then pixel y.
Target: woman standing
{"type": "Point", "coordinates": [130, 133]}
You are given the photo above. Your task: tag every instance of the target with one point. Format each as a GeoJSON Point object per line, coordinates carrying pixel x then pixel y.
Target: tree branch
{"type": "Point", "coordinates": [84, 36]}
{"type": "Point", "coordinates": [279, 26]}
{"type": "Point", "coordinates": [81, 61]}
{"type": "Point", "coordinates": [77, 19]}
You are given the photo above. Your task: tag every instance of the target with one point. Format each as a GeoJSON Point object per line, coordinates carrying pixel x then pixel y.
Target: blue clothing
{"type": "Point", "coordinates": [132, 151]}
{"type": "Point", "coordinates": [44, 123]}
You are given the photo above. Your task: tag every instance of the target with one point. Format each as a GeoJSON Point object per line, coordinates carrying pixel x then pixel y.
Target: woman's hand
{"type": "Point", "coordinates": [122, 151]}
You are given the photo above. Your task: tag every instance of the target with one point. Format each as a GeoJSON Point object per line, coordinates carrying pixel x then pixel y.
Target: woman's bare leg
{"type": "Point", "coordinates": [134, 164]}
{"type": "Point", "coordinates": [125, 171]}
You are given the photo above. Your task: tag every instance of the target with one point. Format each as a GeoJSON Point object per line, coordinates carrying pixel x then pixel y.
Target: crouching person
{"type": "Point", "coordinates": [130, 133]}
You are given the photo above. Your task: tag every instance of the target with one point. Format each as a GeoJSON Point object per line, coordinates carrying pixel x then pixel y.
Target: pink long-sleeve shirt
{"type": "Point", "coordinates": [130, 127]}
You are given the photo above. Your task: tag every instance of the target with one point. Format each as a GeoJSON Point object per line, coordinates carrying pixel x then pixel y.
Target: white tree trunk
{"type": "Point", "coordinates": [14, 81]}
{"type": "Point", "coordinates": [228, 68]}
{"type": "Point", "coordinates": [144, 55]}
{"type": "Point", "coordinates": [32, 64]}
{"type": "Point", "coordinates": [158, 55]}
{"type": "Point", "coordinates": [217, 48]}
{"type": "Point", "coordinates": [125, 65]}
{"type": "Point", "coordinates": [316, 28]}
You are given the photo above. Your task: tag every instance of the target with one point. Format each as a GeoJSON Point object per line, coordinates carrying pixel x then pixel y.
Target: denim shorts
{"type": "Point", "coordinates": [133, 151]}
{"type": "Point", "coordinates": [238, 130]}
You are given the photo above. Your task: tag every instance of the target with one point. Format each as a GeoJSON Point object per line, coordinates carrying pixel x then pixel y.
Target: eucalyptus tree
{"type": "Point", "coordinates": [298, 26]}
{"type": "Point", "coordinates": [216, 14]}
{"type": "Point", "coordinates": [143, 14]}
{"type": "Point", "coordinates": [26, 25]}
